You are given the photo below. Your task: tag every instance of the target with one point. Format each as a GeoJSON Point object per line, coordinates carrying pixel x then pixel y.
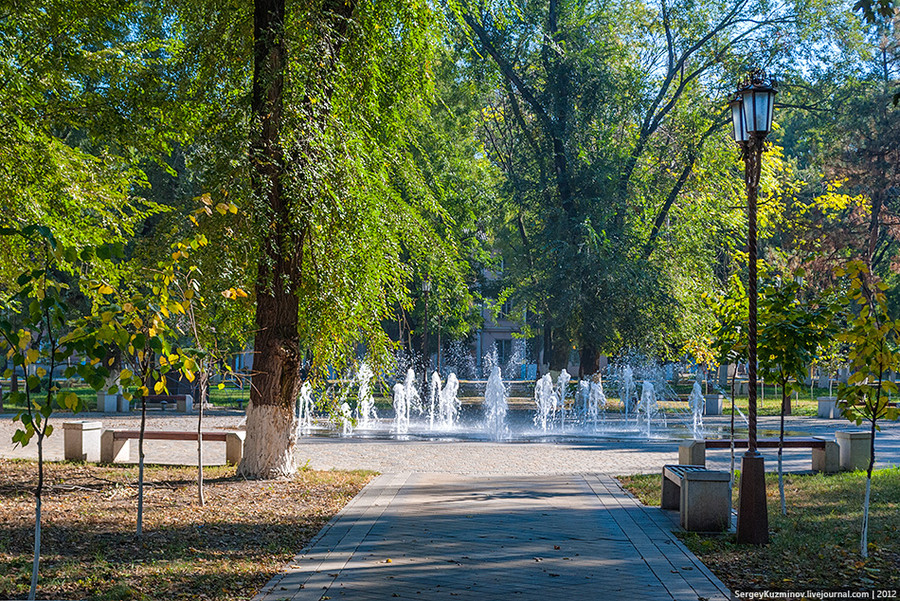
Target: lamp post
{"type": "Point", "coordinates": [752, 112]}
{"type": "Point", "coordinates": [426, 359]}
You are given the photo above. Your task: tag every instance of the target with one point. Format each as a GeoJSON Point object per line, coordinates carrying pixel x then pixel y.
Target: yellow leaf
{"type": "Point", "coordinates": [189, 375]}
{"type": "Point", "coordinates": [222, 208]}
{"type": "Point", "coordinates": [159, 387]}
{"type": "Point", "coordinates": [221, 386]}
{"type": "Point", "coordinates": [41, 372]}
{"type": "Point", "coordinates": [31, 356]}
{"type": "Point", "coordinates": [125, 374]}
{"type": "Point", "coordinates": [105, 289]}
{"type": "Point", "coordinates": [111, 361]}
{"type": "Point", "coordinates": [128, 307]}
{"type": "Point", "coordinates": [240, 293]}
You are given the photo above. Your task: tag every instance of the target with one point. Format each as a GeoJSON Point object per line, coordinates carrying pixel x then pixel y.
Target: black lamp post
{"type": "Point", "coordinates": [752, 112]}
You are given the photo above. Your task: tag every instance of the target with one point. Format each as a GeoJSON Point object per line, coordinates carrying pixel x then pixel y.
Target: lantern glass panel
{"type": "Point", "coordinates": [763, 101]}
{"type": "Point", "coordinates": [737, 120]}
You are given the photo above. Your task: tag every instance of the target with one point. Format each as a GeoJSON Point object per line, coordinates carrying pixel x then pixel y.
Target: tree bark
{"type": "Point", "coordinates": [559, 352]}
{"type": "Point", "coordinates": [204, 399]}
{"type": "Point", "coordinates": [271, 432]}
{"type": "Point", "coordinates": [589, 361]}
{"type": "Point", "coordinates": [269, 447]}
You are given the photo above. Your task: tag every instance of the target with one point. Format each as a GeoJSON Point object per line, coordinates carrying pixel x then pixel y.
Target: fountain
{"type": "Point", "coordinates": [495, 406]}
{"type": "Point", "coordinates": [449, 404]}
{"type": "Point", "coordinates": [513, 368]}
{"type": "Point", "coordinates": [305, 408]}
{"type": "Point", "coordinates": [401, 409]}
{"type": "Point", "coordinates": [345, 417]}
{"type": "Point", "coordinates": [648, 409]}
{"type": "Point", "coordinates": [596, 402]}
{"type": "Point", "coordinates": [406, 399]}
{"type": "Point", "coordinates": [490, 360]}
{"type": "Point", "coordinates": [562, 382]}
{"type": "Point", "coordinates": [366, 414]}
{"type": "Point", "coordinates": [696, 402]}
{"type": "Point", "coordinates": [648, 402]}
{"type": "Point", "coordinates": [434, 398]}
{"type": "Point", "coordinates": [546, 401]}
{"type": "Point", "coordinates": [626, 389]}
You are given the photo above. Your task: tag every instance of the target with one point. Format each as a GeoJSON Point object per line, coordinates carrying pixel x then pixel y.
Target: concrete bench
{"type": "Point", "coordinates": [183, 403]}
{"type": "Point", "coordinates": [827, 407]}
{"type": "Point", "coordinates": [115, 445]}
{"type": "Point", "coordinates": [825, 452]}
{"type": "Point", "coordinates": [856, 448]}
{"type": "Point", "coordinates": [81, 440]}
{"type": "Point", "coordinates": [702, 497]}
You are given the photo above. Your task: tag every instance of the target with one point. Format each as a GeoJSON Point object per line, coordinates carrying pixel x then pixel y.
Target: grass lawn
{"type": "Point", "coordinates": [227, 549]}
{"type": "Point", "coordinates": [814, 547]}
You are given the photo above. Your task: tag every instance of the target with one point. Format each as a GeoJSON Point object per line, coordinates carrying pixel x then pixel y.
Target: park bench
{"type": "Point", "coordinates": [702, 497]}
{"type": "Point", "coordinates": [825, 452]}
{"type": "Point", "coordinates": [183, 403]}
{"type": "Point", "coordinates": [115, 444]}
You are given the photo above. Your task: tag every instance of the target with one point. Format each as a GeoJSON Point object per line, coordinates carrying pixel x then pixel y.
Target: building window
{"type": "Point", "coordinates": [504, 350]}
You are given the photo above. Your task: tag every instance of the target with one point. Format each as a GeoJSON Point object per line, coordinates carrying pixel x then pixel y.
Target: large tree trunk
{"type": "Point", "coordinates": [589, 361]}
{"type": "Point", "coordinates": [269, 447]}
{"type": "Point", "coordinates": [271, 432]}
{"type": "Point", "coordinates": [559, 352]}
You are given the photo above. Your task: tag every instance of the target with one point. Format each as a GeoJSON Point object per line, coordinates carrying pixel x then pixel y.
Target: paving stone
{"type": "Point", "coordinates": [535, 538]}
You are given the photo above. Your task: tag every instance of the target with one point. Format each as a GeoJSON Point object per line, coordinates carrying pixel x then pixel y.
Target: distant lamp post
{"type": "Point", "coordinates": [752, 110]}
{"type": "Point", "coordinates": [426, 359]}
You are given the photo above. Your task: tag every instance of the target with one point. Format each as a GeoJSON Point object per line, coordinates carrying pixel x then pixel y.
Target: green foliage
{"type": "Point", "coordinates": [872, 337]}
{"type": "Point", "coordinates": [38, 340]}
{"type": "Point", "coordinates": [794, 325]}
{"type": "Point", "coordinates": [728, 340]}
{"type": "Point", "coordinates": [79, 100]}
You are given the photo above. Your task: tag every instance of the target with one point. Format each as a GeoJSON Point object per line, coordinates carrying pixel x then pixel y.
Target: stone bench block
{"type": "Point", "coordinates": [827, 460]}
{"type": "Point", "coordinates": [692, 452]}
{"type": "Point", "coordinates": [855, 449]}
{"type": "Point", "coordinates": [234, 447]}
{"type": "Point", "coordinates": [82, 440]}
{"type": "Point", "coordinates": [713, 404]}
{"type": "Point", "coordinates": [113, 450]}
{"type": "Point", "coordinates": [828, 407]}
{"type": "Point", "coordinates": [706, 501]}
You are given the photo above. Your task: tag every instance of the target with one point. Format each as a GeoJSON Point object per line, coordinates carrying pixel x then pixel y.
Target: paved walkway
{"type": "Point", "coordinates": [438, 536]}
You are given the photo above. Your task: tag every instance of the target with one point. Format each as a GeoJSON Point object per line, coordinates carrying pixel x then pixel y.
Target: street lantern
{"type": "Point", "coordinates": [758, 105]}
{"type": "Point", "coordinates": [752, 110]}
{"type": "Point", "coordinates": [738, 125]}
